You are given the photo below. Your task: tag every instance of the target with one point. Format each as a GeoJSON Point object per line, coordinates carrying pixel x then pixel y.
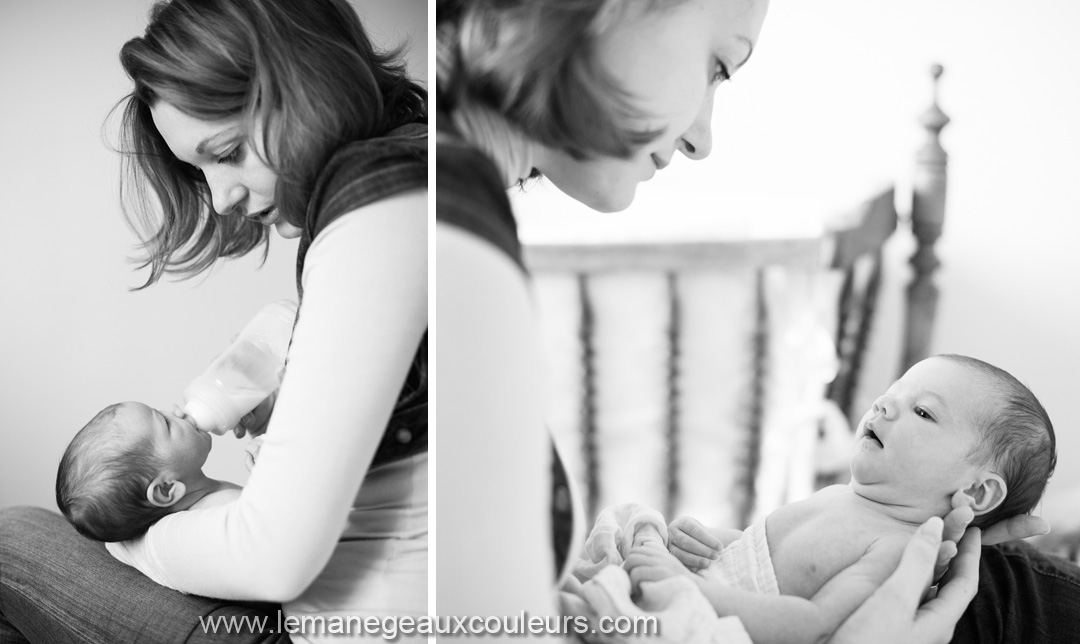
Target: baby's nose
{"type": "Point", "coordinates": [886, 407]}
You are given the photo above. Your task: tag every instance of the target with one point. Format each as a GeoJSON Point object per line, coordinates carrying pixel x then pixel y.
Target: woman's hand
{"type": "Point", "coordinates": [892, 614]}
{"type": "Point", "coordinates": [692, 544]}
{"type": "Point", "coordinates": [255, 421]}
{"type": "Point", "coordinates": [1020, 526]}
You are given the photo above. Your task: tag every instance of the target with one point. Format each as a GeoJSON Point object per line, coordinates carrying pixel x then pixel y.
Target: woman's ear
{"type": "Point", "coordinates": [165, 493]}
{"type": "Point", "coordinates": [988, 493]}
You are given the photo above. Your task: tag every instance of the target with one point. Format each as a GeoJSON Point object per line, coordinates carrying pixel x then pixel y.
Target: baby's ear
{"type": "Point", "coordinates": [165, 493]}
{"type": "Point", "coordinates": [988, 492]}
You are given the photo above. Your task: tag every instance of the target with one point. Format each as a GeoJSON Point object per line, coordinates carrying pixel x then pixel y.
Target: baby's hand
{"type": "Point", "coordinates": [692, 544]}
{"type": "Point", "coordinates": [647, 533]}
{"type": "Point", "coordinates": [651, 562]}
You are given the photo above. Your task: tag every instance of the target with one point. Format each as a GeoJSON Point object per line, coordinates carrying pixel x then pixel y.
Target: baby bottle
{"type": "Point", "coordinates": [245, 374]}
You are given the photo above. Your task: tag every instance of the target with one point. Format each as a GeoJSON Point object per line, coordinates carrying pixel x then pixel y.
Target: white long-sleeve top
{"type": "Point", "coordinates": [363, 315]}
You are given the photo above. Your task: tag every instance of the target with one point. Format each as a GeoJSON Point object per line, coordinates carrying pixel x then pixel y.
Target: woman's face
{"type": "Point", "coordinates": [240, 183]}
{"type": "Point", "coordinates": [671, 60]}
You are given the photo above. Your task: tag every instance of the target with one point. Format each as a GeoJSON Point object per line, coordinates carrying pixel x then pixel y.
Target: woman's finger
{"type": "Point", "coordinates": [905, 585]}
{"type": "Point", "coordinates": [937, 618]}
{"type": "Point", "coordinates": [958, 519]}
{"type": "Point", "coordinates": [945, 554]}
{"type": "Point", "coordinates": [1019, 527]}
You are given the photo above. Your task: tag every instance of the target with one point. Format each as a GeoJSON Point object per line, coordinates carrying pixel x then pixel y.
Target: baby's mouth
{"type": "Point", "coordinates": [874, 437]}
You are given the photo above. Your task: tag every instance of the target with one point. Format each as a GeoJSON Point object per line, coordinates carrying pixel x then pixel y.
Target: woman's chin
{"type": "Point", "coordinates": [614, 201]}
{"type": "Point", "coordinates": [287, 230]}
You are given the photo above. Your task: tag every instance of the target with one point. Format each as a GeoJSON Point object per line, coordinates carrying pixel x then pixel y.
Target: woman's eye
{"type": "Point", "coordinates": [720, 72]}
{"type": "Point", "coordinates": [233, 156]}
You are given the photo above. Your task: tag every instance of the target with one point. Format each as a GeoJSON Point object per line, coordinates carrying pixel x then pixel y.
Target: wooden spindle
{"type": "Point", "coordinates": [588, 397]}
{"type": "Point", "coordinates": [671, 430]}
{"type": "Point", "coordinates": [756, 411]}
{"type": "Point", "coordinates": [927, 217]}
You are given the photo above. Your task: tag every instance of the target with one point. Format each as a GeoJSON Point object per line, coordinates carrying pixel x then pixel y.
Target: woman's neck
{"type": "Point", "coordinates": [511, 151]}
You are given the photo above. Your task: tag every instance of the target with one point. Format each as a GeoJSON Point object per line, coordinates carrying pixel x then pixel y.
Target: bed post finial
{"type": "Point", "coordinates": [927, 217]}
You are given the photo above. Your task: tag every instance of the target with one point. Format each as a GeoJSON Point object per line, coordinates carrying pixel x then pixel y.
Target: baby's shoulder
{"type": "Point", "coordinates": [228, 493]}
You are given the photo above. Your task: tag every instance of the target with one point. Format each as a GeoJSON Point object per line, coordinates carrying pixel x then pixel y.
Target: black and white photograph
{"type": "Point", "coordinates": [773, 327]}
{"type": "Point", "coordinates": [742, 321]}
{"type": "Point", "coordinates": [215, 329]}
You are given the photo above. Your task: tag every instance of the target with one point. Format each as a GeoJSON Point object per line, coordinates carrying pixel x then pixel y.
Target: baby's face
{"type": "Point", "coordinates": [911, 448]}
{"type": "Point", "coordinates": [176, 441]}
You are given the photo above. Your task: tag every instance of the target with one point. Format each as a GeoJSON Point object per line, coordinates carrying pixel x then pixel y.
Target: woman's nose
{"type": "Point", "coordinates": [885, 406]}
{"type": "Point", "coordinates": [226, 193]}
{"type": "Point", "coordinates": [696, 142]}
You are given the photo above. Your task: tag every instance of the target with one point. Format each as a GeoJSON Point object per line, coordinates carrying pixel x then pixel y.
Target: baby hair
{"type": "Point", "coordinates": [534, 63]}
{"type": "Point", "coordinates": [1016, 437]}
{"type": "Point", "coordinates": [102, 481]}
{"type": "Point", "coordinates": [305, 74]}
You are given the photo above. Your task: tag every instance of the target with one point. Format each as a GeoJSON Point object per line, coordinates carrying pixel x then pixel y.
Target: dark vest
{"type": "Point", "coordinates": [470, 195]}
{"type": "Point", "coordinates": [359, 174]}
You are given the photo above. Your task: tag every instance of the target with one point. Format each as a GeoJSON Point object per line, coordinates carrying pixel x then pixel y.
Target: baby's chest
{"type": "Point", "coordinates": [807, 551]}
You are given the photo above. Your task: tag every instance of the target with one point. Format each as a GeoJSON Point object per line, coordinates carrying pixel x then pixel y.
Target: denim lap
{"type": "Point", "coordinates": [57, 586]}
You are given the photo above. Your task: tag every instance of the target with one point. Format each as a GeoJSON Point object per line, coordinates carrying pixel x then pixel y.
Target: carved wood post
{"type": "Point", "coordinates": [671, 430]}
{"type": "Point", "coordinates": [927, 217]}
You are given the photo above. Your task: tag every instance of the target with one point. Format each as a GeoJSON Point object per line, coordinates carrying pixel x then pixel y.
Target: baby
{"type": "Point", "coordinates": [951, 430]}
{"type": "Point", "coordinates": [130, 466]}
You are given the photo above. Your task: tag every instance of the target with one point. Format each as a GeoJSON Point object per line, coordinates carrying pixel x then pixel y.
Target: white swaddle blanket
{"type": "Point", "coordinates": [600, 587]}
{"type": "Point", "coordinates": [746, 564]}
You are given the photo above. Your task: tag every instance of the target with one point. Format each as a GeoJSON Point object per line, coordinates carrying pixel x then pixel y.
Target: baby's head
{"type": "Point", "coordinates": [128, 467]}
{"type": "Point", "coordinates": [956, 423]}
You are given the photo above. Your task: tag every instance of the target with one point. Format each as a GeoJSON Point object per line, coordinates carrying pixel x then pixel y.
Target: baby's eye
{"type": "Point", "coordinates": [922, 413]}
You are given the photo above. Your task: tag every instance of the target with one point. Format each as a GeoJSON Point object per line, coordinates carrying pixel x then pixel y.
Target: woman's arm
{"type": "Point", "coordinates": [363, 315]}
{"type": "Point", "coordinates": [493, 478]}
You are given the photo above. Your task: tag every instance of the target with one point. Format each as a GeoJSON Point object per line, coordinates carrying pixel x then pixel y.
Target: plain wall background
{"type": "Point", "coordinates": [826, 112]}
{"type": "Point", "coordinates": [73, 338]}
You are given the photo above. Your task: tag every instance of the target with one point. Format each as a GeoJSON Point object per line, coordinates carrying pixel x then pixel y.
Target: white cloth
{"type": "Point", "coordinates": [746, 564]}
{"type": "Point", "coordinates": [600, 587]}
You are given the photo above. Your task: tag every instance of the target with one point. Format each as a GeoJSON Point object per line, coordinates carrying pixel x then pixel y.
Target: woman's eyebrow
{"type": "Point", "coordinates": [213, 140]}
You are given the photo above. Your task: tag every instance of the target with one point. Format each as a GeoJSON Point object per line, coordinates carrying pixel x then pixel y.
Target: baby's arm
{"type": "Point", "coordinates": [767, 618]}
{"type": "Point", "coordinates": [814, 619]}
{"type": "Point", "coordinates": [779, 618]}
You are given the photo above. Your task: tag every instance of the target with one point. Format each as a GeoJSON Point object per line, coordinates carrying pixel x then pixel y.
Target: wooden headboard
{"type": "Point", "coordinates": [728, 422]}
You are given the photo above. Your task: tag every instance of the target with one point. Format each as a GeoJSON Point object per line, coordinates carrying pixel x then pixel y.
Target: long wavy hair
{"type": "Point", "coordinates": [306, 72]}
{"type": "Point", "coordinates": [534, 63]}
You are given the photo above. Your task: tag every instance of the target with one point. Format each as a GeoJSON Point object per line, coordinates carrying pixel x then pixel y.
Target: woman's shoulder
{"type": "Point", "coordinates": [469, 194]}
